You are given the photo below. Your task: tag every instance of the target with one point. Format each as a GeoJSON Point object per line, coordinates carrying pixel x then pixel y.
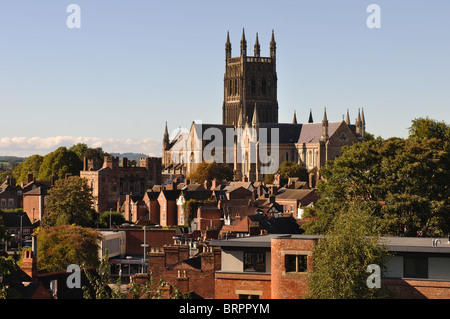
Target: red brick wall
{"type": "Point", "coordinates": [30, 202]}
{"type": "Point", "coordinates": [291, 285]}
{"type": "Point", "coordinates": [228, 285]}
{"type": "Point", "coordinates": [154, 238]}
{"type": "Point", "coordinates": [208, 216]}
{"type": "Point", "coordinates": [165, 264]}
{"type": "Point", "coordinates": [418, 289]}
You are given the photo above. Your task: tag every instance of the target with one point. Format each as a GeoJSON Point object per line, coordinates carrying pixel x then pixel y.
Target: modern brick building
{"type": "Point", "coordinates": [277, 267]}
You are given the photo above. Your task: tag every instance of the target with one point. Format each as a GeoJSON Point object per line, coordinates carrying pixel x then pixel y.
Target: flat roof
{"type": "Point", "coordinates": [394, 244]}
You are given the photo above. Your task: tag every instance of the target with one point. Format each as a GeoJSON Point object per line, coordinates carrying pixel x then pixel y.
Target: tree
{"type": "Point", "coordinates": [30, 166]}
{"type": "Point", "coordinates": [102, 285]}
{"type": "Point", "coordinates": [79, 149]}
{"type": "Point", "coordinates": [59, 163]}
{"type": "Point", "coordinates": [7, 266]}
{"type": "Point", "coordinates": [116, 218]}
{"type": "Point", "coordinates": [61, 246]}
{"type": "Point", "coordinates": [291, 169]}
{"type": "Point", "coordinates": [341, 257]}
{"type": "Point", "coordinates": [208, 171]}
{"type": "Point", "coordinates": [69, 202]}
{"type": "Point", "coordinates": [405, 181]}
{"type": "Point", "coordinates": [155, 289]}
{"type": "Point", "coordinates": [429, 128]}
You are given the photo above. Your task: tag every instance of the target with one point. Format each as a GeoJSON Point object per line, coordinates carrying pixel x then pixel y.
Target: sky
{"type": "Point", "coordinates": [133, 65]}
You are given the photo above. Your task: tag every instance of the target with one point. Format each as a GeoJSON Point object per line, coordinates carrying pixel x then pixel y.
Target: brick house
{"type": "Point", "coordinates": [293, 200]}
{"type": "Point", "coordinates": [10, 194]}
{"type": "Point", "coordinates": [34, 202]}
{"type": "Point", "coordinates": [167, 200]}
{"type": "Point", "coordinates": [151, 201]}
{"type": "Point", "coordinates": [277, 266]}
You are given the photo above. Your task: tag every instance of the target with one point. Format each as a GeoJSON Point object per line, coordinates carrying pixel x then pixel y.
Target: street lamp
{"type": "Point", "coordinates": [21, 216]}
{"type": "Point", "coordinates": [145, 246]}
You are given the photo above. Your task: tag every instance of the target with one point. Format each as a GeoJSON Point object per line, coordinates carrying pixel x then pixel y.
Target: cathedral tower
{"type": "Point", "coordinates": [250, 81]}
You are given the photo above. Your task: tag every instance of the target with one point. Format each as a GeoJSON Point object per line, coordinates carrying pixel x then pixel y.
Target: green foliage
{"type": "Point", "coordinates": [69, 202]}
{"type": "Point", "coordinates": [341, 257]}
{"type": "Point", "coordinates": [7, 266]}
{"type": "Point", "coordinates": [117, 218]}
{"type": "Point", "coordinates": [31, 165]}
{"type": "Point", "coordinates": [208, 171]}
{"type": "Point", "coordinates": [291, 169]}
{"type": "Point", "coordinates": [79, 149]}
{"type": "Point", "coordinates": [59, 163]}
{"type": "Point", "coordinates": [103, 287]}
{"type": "Point", "coordinates": [60, 246]}
{"type": "Point", "coordinates": [190, 208]}
{"type": "Point", "coordinates": [429, 128]}
{"type": "Point", "coordinates": [404, 181]}
{"type": "Point", "coordinates": [155, 289]}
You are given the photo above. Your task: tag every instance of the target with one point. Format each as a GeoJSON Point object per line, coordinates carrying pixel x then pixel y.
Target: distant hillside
{"type": "Point", "coordinates": [10, 161]}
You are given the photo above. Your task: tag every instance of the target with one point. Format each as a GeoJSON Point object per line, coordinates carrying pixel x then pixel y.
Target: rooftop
{"type": "Point", "coordinates": [394, 244]}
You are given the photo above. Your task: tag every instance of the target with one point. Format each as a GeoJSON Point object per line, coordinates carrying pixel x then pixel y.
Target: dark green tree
{"type": "Point", "coordinates": [79, 149]}
{"type": "Point", "coordinates": [429, 128]}
{"type": "Point", "coordinates": [59, 163]}
{"type": "Point", "coordinates": [30, 166]}
{"type": "Point", "coordinates": [405, 181]}
{"type": "Point", "coordinates": [291, 169]}
{"type": "Point", "coordinates": [116, 218]}
{"type": "Point", "coordinates": [69, 202]}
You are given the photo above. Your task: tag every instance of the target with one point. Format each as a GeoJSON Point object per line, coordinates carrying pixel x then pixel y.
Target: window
{"type": "Point", "coordinates": [10, 202]}
{"type": "Point", "coordinates": [296, 263]}
{"type": "Point", "coordinates": [163, 217]}
{"type": "Point", "coordinates": [248, 297]}
{"type": "Point", "coordinates": [254, 261]}
{"type": "Point", "coordinates": [3, 202]}
{"type": "Point", "coordinates": [415, 267]}
{"type": "Point", "coordinates": [253, 86]}
{"type": "Point", "coordinates": [263, 86]}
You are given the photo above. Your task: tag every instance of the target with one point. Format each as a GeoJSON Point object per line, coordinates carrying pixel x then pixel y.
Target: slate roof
{"type": "Point", "coordinates": [13, 219]}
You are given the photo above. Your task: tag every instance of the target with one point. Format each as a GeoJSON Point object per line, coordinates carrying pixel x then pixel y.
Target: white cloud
{"type": "Point", "coordinates": [26, 146]}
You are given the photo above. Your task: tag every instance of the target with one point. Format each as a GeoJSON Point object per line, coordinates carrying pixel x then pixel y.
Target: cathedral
{"type": "Point", "coordinates": [250, 138]}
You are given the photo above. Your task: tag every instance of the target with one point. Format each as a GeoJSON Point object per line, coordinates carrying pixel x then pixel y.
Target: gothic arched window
{"type": "Point", "coordinates": [253, 86]}
{"type": "Point", "coordinates": [263, 86]}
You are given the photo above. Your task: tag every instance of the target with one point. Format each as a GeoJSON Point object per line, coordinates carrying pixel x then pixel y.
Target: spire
{"type": "Point", "coordinates": [273, 46]}
{"type": "Point", "coordinates": [228, 46]}
{"type": "Point", "coordinates": [243, 44]}
{"type": "Point", "coordinates": [294, 121]}
{"type": "Point", "coordinates": [257, 47]}
{"type": "Point", "coordinates": [255, 120]}
{"type": "Point", "coordinates": [325, 119]}
{"type": "Point", "coordinates": [325, 126]}
{"type": "Point", "coordinates": [362, 117]}
{"type": "Point", "coordinates": [310, 117]}
{"type": "Point", "coordinates": [358, 120]}
{"type": "Point", "coordinates": [347, 118]}
{"type": "Point", "coordinates": [240, 123]}
{"type": "Point", "coordinates": [166, 136]}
